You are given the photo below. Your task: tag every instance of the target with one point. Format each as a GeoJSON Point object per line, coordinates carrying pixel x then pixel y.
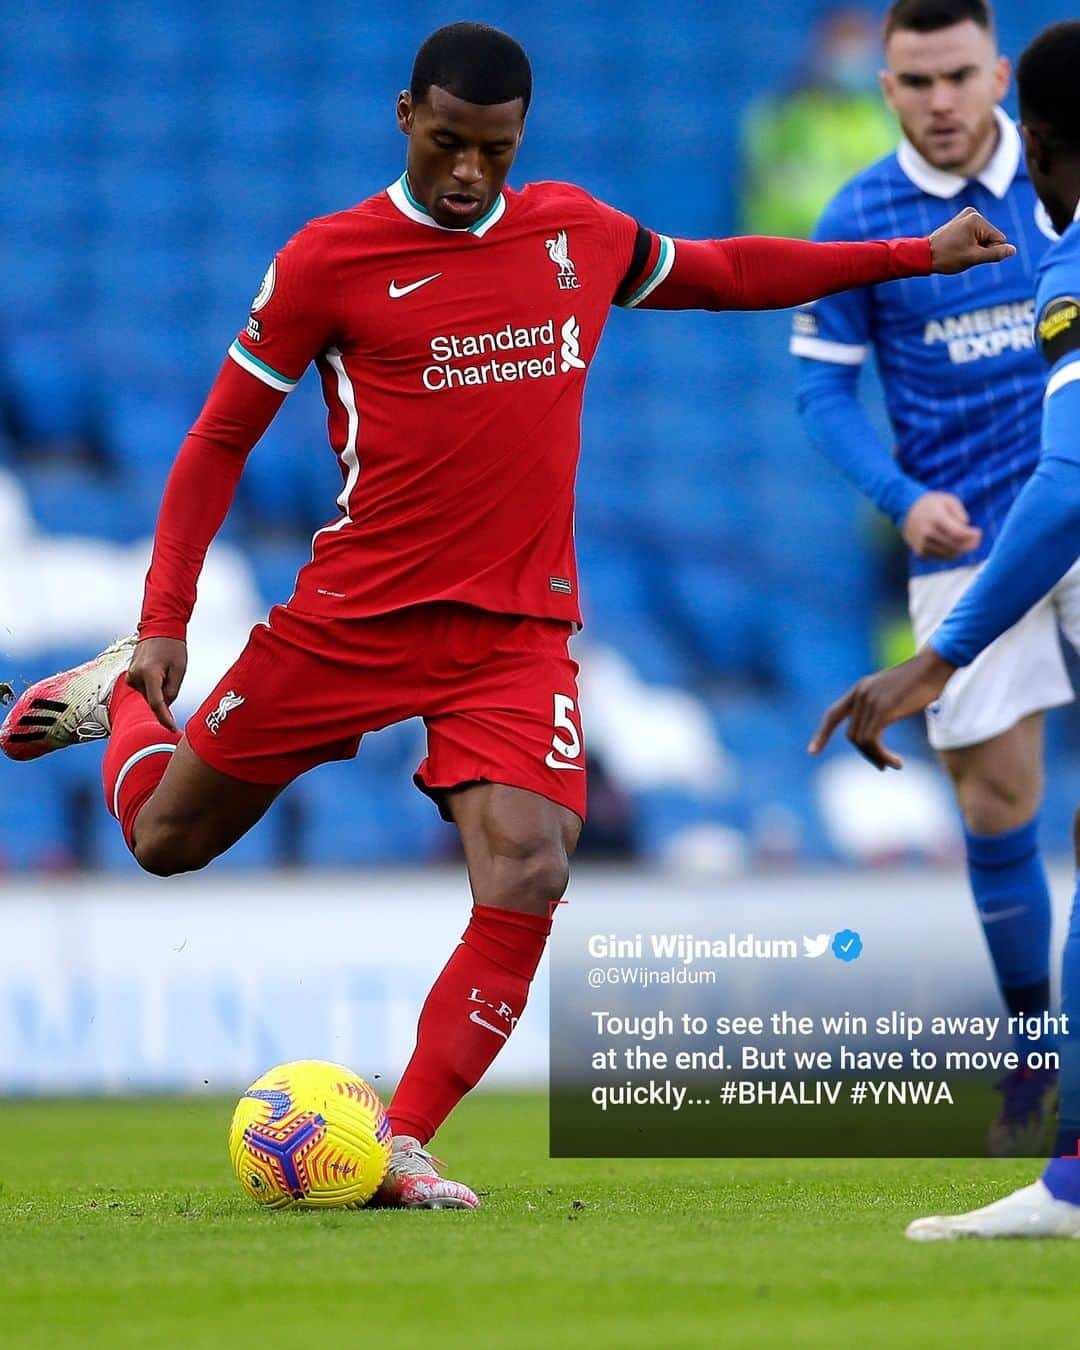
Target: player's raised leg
{"type": "Point", "coordinates": [177, 813]}
{"type": "Point", "coordinates": [64, 709]}
{"type": "Point", "coordinates": [998, 787]}
{"type": "Point", "coordinates": [517, 847]}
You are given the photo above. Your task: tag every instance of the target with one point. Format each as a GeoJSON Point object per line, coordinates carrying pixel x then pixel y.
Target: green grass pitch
{"type": "Point", "coordinates": [121, 1226]}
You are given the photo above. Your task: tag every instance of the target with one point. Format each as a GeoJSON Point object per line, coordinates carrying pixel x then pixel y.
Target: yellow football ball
{"type": "Point", "coordinates": [310, 1135]}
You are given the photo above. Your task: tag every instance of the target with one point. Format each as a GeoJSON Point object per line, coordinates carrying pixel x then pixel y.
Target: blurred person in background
{"type": "Point", "coordinates": [799, 147]}
{"type": "Point", "coordinates": [963, 386]}
{"type": "Point", "coordinates": [452, 321]}
{"type": "Point", "coordinates": [1037, 546]}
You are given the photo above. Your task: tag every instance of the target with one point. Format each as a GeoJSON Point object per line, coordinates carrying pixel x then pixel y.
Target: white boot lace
{"type": "Point", "coordinates": [412, 1160]}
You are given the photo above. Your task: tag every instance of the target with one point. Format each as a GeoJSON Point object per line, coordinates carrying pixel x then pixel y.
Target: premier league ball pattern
{"type": "Point", "coordinates": [310, 1135]}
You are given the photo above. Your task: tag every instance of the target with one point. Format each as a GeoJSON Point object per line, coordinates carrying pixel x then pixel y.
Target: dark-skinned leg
{"type": "Point", "coordinates": [517, 848]}
{"type": "Point", "coordinates": [176, 812]}
{"type": "Point", "coordinates": [194, 815]}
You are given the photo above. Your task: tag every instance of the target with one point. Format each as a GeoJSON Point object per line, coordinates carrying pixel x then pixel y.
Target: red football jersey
{"type": "Point", "coordinates": [453, 365]}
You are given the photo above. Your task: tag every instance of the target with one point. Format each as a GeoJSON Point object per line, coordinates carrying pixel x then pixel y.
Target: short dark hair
{"type": "Point", "coordinates": [1047, 81]}
{"type": "Point", "coordinates": [927, 16]}
{"type": "Point", "coordinates": [473, 62]}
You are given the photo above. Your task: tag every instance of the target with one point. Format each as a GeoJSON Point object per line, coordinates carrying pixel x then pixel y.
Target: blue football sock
{"type": "Point", "coordinates": [1013, 901]}
{"type": "Point", "coordinates": [1063, 1172]}
{"type": "Point", "coordinates": [1061, 1177]}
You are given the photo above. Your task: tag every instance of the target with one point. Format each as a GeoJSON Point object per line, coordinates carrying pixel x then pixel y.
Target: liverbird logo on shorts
{"type": "Point", "coordinates": [558, 252]}
{"type": "Point", "coordinates": [228, 702]}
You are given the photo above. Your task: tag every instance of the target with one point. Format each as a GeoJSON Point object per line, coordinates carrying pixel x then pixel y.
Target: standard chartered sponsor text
{"type": "Point", "coordinates": [539, 339]}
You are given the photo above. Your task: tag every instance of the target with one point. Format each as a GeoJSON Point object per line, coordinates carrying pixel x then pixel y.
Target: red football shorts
{"type": "Point", "coordinates": [497, 692]}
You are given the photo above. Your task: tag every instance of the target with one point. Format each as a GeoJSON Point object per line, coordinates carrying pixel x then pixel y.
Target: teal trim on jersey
{"type": "Point", "coordinates": [473, 229]}
{"type": "Point", "coordinates": [477, 225]}
{"type": "Point", "coordinates": [650, 281]}
{"type": "Point", "coordinates": [277, 375]}
{"type": "Point", "coordinates": [404, 180]}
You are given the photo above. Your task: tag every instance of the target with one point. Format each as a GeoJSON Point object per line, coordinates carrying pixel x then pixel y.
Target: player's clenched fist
{"type": "Point", "coordinates": [937, 526]}
{"type": "Point", "coordinates": [965, 241]}
{"type": "Point", "coordinates": [157, 671]}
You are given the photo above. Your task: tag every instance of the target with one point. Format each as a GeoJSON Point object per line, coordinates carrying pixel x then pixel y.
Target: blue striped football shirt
{"type": "Point", "coordinates": [1042, 538]}
{"type": "Point", "coordinates": [963, 380]}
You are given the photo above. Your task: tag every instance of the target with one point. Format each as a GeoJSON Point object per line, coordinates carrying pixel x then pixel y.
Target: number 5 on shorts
{"type": "Point", "coordinates": [567, 749]}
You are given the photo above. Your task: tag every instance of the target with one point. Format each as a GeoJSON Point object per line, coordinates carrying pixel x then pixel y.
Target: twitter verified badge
{"type": "Point", "coordinates": [847, 945]}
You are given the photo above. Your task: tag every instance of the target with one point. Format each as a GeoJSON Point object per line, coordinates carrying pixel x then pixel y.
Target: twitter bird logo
{"type": "Point", "coordinates": [816, 946]}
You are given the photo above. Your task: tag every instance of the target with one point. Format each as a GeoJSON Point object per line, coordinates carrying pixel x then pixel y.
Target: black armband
{"type": "Point", "coordinates": [1058, 329]}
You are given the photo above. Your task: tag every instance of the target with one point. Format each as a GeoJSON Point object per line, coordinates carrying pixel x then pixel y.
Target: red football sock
{"type": "Point", "coordinates": [471, 1010]}
{"type": "Point", "coordinates": [136, 757]}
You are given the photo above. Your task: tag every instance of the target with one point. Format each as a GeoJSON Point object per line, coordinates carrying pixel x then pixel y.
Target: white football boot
{"type": "Point", "coordinates": [412, 1181]}
{"type": "Point", "coordinates": [63, 709]}
{"type": "Point", "coordinates": [1031, 1212]}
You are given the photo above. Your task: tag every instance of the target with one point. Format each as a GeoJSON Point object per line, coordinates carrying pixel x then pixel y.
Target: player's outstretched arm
{"type": "Point", "coordinates": [1038, 543]}
{"type": "Point", "coordinates": [762, 273]}
{"type": "Point", "coordinates": [198, 494]}
{"type": "Point", "coordinates": [877, 701]}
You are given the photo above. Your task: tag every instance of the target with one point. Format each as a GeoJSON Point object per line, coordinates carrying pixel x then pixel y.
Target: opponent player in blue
{"type": "Point", "coordinates": [964, 384]}
{"type": "Point", "coordinates": [1038, 544]}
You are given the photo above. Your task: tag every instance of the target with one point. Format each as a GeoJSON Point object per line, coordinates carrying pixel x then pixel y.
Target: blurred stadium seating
{"type": "Point", "coordinates": [151, 160]}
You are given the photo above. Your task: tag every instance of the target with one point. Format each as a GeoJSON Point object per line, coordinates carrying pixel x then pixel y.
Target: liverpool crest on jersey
{"type": "Point", "coordinates": [558, 252]}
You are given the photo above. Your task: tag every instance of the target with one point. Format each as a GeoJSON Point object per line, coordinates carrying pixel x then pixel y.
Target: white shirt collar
{"type": "Point", "coordinates": [997, 175]}
{"type": "Point", "coordinates": [402, 197]}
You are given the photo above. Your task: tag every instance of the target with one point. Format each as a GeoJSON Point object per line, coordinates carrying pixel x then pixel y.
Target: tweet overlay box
{"type": "Point", "coordinates": [758, 1023]}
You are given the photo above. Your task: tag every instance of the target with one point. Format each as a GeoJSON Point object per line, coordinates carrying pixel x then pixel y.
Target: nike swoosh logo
{"type": "Point", "coordinates": [1000, 914]}
{"type": "Point", "coordinates": [474, 1016]}
{"type": "Point", "coordinates": [554, 763]}
{"type": "Point", "coordinates": [396, 291]}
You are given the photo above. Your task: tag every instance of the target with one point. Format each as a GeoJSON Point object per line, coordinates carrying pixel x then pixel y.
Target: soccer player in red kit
{"type": "Point", "coordinates": [452, 321]}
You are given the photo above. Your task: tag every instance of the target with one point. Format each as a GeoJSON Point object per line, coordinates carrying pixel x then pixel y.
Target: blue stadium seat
{"type": "Point", "coordinates": [355, 815]}
{"type": "Point", "coordinates": [34, 823]}
{"type": "Point", "coordinates": [144, 427]}
{"type": "Point", "coordinates": [816, 650]}
{"type": "Point", "coordinates": [291, 480]}
{"type": "Point", "coordinates": [166, 50]}
{"type": "Point", "coordinates": [717, 609]}
{"type": "Point", "coordinates": [45, 119]}
{"type": "Point", "coordinates": [624, 604]}
{"type": "Point", "coordinates": [146, 209]}
{"type": "Point", "coordinates": [47, 202]}
{"type": "Point", "coordinates": [147, 282]}
{"type": "Point", "coordinates": [662, 815]}
{"type": "Point", "coordinates": [41, 289]}
{"type": "Point", "coordinates": [43, 36]}
{"type": "Point", "coordinates": [143, 119]}
{"type": "Point", "coordinates": [69, 498]}
{"type": "Point", "coordinates": [50, 384]}
{"type": "Point", "coordinates": [275, 561]}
